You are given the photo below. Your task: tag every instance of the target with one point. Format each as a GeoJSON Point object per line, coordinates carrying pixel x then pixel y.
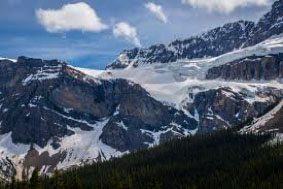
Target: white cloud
{"type": "Point", "coordinates": [128, 32]}
{"type": "Point", "coordinates": [225, 6]}
{"type": "Point", "coordinates": [157, 10]}
{"type": "Point", "coordinates": [79, 16]}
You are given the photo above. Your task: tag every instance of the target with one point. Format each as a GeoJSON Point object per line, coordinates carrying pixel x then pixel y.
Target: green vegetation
{"type": "Point", "coordinates": [220, 160]}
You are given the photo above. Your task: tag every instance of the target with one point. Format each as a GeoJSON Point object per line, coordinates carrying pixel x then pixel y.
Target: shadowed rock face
{"type": "Point", "coordinates": [42, 101]}
{"type": "Point", "coordinates": [255, 67]}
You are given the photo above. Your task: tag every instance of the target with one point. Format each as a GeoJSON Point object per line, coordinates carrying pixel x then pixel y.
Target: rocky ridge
{"type": "Point", "coordinates": [268, 67]}
{"type": "Point", "coordinates": [213, 43]}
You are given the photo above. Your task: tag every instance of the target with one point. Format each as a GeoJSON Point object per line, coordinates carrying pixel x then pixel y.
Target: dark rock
{"type": "Point", "coordinates": [269, 25]}
{"type": "Point", "coordinates": [34, 159]}
{"type": "Point", "coordinates": [222, 108]}
{"type": "Point", "coordinates": [125, 134]}
{"type": "Point", "coordinates": [249, 68]}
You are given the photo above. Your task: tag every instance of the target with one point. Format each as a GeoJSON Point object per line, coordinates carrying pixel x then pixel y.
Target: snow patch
{"type": "Point", "coordinates": [82, 147]}
{"type": "Point", "coordinates": [12, 60]}
{"type": "Point", "coordinates": [260, 122]}
{"type": "Point", "coordinates": [44, 73]}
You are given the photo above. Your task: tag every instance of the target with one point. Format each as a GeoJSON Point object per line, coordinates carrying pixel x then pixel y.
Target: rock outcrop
{"type": "Point", "coordinates": [224, 108]}
{"type": "Point", "coordinates": [271, 122]}
{"type": "Point", "coordinates": [250, 68]}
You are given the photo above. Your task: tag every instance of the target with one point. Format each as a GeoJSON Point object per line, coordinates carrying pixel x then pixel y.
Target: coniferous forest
{"type": "Point", "coordinates": [219, 160]}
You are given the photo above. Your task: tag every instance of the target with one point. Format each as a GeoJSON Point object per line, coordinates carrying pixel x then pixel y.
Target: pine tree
{"type": "Point", "coordinates": [35, 181]}
{"type": "Point", "coordinates": [13, 184]}
{"type": "Point", "coordinates": [77, 182]}
{"type": "Point", "coordinates": [58, 182]}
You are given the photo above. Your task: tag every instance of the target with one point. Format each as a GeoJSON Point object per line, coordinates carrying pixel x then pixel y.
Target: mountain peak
{"type": "Point", "coordinates": [212, 43]}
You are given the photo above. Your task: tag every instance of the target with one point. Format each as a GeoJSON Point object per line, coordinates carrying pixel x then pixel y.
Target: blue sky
{"type": "Point", "coordinates": [23, 32]}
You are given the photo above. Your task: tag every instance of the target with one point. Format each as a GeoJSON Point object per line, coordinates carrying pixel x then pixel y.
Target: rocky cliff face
{"type": "Point", "coordinates": [224, 108]}
{"type": "Point", "coordinates": [213, 43]}
{"type": "Point", "coordinates": [250, 68]}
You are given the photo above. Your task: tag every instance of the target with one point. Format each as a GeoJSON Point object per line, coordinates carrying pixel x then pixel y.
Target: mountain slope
{"type": "Point", "coordinates": [213, 43]}
{"type": "Point", "coordinates": [270, 24]}
{"type": "Point", "coordinates": [54, 115]}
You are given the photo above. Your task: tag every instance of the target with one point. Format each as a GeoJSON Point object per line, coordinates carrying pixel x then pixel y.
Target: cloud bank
{"type": "Point", "coordinates": [225, 6]}
{"type": "Point", "coordinates": [157, 10]}
{"type": "Point", "coordinates": [79, 16]}
{"type": "Point", "coordinates": [127, 32]}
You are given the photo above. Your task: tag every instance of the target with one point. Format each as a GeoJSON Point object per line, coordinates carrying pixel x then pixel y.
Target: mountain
{"type": "Point", "coordinates": [213, 43]}
{"type": "Point", "coordinates": [53, 115]}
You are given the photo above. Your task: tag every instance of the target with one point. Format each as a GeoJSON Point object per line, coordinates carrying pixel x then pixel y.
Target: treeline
{"type": "Point", "coordinates": [220, 160]}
